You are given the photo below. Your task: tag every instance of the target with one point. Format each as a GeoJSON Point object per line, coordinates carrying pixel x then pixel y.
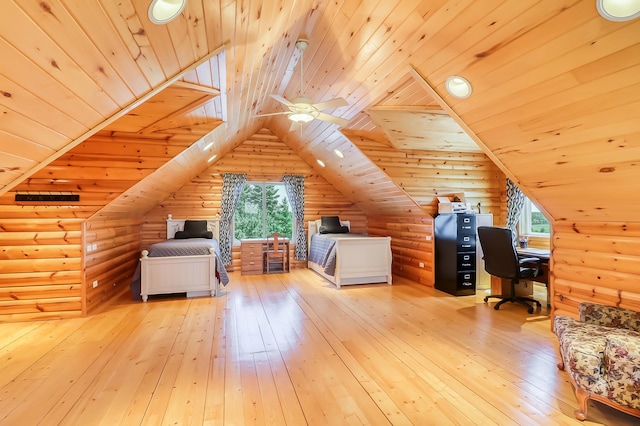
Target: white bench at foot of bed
{"type": "Point", "coordinates": [194, 275]}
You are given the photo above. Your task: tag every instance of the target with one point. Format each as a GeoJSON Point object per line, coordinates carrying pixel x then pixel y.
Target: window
{"type": "Point", "coordinates": [263, 208]}
{"type": "Point", "coordinates": [532, 221]}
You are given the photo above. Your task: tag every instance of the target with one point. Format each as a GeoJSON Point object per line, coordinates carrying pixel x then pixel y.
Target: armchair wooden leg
{"type": "Point", "coordinates": [582, 396]}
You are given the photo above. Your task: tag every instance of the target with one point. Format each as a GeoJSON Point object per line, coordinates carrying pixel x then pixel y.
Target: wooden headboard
{"type": "Point", "coordinates": [175, 225]}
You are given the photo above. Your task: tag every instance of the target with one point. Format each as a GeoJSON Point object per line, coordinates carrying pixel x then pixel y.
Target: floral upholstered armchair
{"type": "Point", "coordinates": [601, 353]}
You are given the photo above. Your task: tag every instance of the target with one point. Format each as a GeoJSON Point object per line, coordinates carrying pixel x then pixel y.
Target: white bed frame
{"type": "Point", "coordinates": [194, 275]}
{"type": "Point", "coordinates": [359, 260]}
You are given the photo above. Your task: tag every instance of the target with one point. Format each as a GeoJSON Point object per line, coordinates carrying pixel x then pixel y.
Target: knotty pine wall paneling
{"type": "Point", "coordinates": [411, 244]}
{"type": "Point", "coordinates": [595, 262]}
{"type": "Point", "coordinates": [40, 261]}
{"type": "Point", "coordinates": [112, 252]}
{"type": "Point", "coordinates": [264, 158]}
{"type": "Point", "coordinates": [427, 174]}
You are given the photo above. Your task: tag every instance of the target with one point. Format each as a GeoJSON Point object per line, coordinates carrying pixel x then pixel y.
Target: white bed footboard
{"type": "Point", "coordinates": [194, 275]}
{"type": "Point", "coordinates": [359, 260]}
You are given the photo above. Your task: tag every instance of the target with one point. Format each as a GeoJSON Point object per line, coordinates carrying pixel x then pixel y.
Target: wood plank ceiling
{"type": "Point", "coordinates": [556, 90]}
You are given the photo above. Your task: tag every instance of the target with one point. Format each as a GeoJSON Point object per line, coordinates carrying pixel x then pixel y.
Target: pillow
{"type": "Point", "coordinates": [332, 225]}
{"type": "Point", "coordinates": [194, 229]}
{"type": "Point", "coordinates": [183, 235]}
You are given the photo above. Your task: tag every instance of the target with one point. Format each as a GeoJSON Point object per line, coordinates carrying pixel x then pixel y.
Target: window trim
{"type": "Point", "coordinates": [525, 221]}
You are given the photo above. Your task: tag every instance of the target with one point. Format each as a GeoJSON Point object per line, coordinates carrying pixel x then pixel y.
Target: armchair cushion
{"type": "Point", "coordinates": [622, 355]}
{"type": "Point", "coordinates": [610, 316]}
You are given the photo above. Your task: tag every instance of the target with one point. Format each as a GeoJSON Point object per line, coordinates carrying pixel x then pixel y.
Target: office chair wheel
{"type": "Point", "coordinates": [530, 310]}
{"type": "Point", "coordinates": [486, 299]}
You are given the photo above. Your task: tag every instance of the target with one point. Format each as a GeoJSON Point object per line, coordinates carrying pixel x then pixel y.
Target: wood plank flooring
{"type": "Point", "coordinates": [291, 349]}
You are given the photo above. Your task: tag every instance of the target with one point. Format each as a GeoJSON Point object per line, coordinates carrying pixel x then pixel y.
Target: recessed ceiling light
{"type": "Point", "coordinates": [213, 157]}
{"type": "Point", "coordinates": [618, 10]}
{"type": "Point", "coordinates": [458, 86]}
{"type": "Point", "coordinates": [164, 11]}
{"type": "Point", "coordinates": [207, 146]}
{"type": "Point", "coordinates": [321, 163]}
{"type": "Point", "coordinates": [338, 153]}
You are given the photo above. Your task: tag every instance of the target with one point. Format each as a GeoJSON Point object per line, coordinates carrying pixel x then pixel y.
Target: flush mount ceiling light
{"type": "Point", "coordinates": [338, 153]}
{"type": "Point", "coordinates": [207, 146]}
{"type": "Point", "coordinates": [213, 157]}
{"type": "Point", "coordinates": [303, 113]}
{"type": "Point", "coordinates": [164, 11]}
{"type": "Point", "coordinates": [458, 86]}
{"type": "Point", "coordinates": [320, 162]}
{"type": "Point", "coordinates": [618, 10]}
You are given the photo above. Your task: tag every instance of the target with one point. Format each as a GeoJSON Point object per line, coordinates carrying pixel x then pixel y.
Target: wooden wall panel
{"type": "Point", "coordinates": [264, 158]}
{"type": "Point", "coordinates": [40, 261]}
{"type": "Point", "coordinates": [427, 174]}
{"type": "Point", "coordinates": [113, 261]}
{"type": "Point", "coordinates": [411, 244]}
{"type": "Point", "coordinates": [595, 262]}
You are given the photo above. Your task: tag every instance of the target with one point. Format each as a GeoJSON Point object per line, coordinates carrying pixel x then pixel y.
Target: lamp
{"type": "Point", "coordinates": [618, 10]}
{"type": "Point", "coordinates": [458, 86]}
{"type": "Point", "coordinates": [164, 11]}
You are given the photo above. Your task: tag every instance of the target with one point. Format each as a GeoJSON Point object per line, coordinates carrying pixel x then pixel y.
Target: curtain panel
{"type": "Point", "coordinates": [294, 185]}
{"type": "Point", "coordinates": [232, 184]}
{"type": "Point", "coordinates": [515, 203]}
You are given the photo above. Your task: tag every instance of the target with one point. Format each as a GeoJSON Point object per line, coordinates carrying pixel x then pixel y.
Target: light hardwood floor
{"type": "Point", "coordinates": [291, 349]}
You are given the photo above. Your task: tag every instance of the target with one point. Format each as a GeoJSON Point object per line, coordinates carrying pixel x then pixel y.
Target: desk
{"type": "Point", "coordinates": [252, 255]}
{"type": "Point", "coordinates": [541, 254]}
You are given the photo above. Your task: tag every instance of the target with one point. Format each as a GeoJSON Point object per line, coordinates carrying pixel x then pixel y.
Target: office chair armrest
{"type": "Point", "coordinates": [529, 260]}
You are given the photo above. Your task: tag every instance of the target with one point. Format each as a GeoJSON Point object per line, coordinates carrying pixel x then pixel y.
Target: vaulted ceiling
{"type": "Point", "coordinates": [555, 102]}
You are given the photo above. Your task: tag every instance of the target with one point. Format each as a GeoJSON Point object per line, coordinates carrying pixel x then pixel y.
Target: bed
{"type": "Point", "coordinates": [187, 262]}
{"type": "Point", "coordinates": [345, 258]}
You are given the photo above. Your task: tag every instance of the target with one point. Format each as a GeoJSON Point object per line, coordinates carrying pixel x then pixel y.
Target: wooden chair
{"type": "Point", "coordinates": [275, 254]}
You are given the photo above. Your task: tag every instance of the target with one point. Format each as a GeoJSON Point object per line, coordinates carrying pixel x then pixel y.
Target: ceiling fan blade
{"type": "Point", "coordinates": [330, 104]}
{"type": "Point", "coordinates": [272, 113]}
{"type": "Point", "coordinates": [281, 100]}
{"type": "Point", "coordinates": [332, 119]}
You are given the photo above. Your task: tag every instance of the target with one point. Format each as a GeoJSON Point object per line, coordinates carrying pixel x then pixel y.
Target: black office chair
{"type": "Point", "coordinates": [501, 260]}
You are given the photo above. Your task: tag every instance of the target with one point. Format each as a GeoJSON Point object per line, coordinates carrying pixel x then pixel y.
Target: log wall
{"type": "Point", "coordinates": [264, 158]}
{"type": "Point", "coordinates": [112, 259]}
{"type": "Point", "coordinates": [411, 244]}
{"type": "Point", "coordinates": [40, 261]}
{"type": "Point", "coordinates": [595, 262]}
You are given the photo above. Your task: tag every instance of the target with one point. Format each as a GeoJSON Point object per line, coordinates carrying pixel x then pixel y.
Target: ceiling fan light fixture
{"type": "Point", "coordinates": [164, 11]}
{"type": "Point", "coordinates": [618, 10]}
{"type": "Point", "coordinates": [458, 86]}
{"type": "Point", "coordinates": [301, 117]}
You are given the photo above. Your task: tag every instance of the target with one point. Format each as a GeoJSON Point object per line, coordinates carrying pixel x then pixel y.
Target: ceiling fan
{"type": "Point", "coordinates": [303, 110]}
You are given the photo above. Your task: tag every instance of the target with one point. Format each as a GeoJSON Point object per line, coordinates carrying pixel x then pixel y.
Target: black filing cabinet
{"type": "Point", "coordinates": [455, 244]}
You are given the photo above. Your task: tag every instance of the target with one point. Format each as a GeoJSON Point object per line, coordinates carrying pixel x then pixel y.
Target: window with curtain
{"type": "Point", "coordinates": [263, 208]}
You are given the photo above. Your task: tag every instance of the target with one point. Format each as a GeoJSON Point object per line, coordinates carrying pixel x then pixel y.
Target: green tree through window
{"type": "Point", "coordinates": [263, 208]}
